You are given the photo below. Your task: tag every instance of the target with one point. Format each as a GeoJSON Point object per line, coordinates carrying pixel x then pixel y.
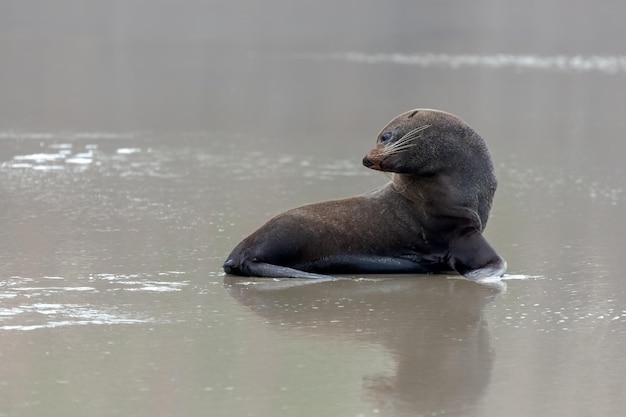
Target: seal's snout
{"type": "Point", "coordinates": [372, 163]}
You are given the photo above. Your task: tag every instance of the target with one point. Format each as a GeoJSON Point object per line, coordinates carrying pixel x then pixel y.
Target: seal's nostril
{"type": "Point", "coordinates": [367, 162]}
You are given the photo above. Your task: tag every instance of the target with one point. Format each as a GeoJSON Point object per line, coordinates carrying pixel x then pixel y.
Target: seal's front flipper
{"type": "Point", "coordinates": [473, 257]}
{"type": "Point", "coordinates": [262, 269]}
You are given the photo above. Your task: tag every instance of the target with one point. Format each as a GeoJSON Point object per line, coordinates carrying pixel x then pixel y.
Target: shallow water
{"type": "Point", "coordinates": [139, 144]}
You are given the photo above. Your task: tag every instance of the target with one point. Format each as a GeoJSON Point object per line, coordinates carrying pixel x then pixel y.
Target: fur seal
{"type": "Point", "coordinates": [428, 219]}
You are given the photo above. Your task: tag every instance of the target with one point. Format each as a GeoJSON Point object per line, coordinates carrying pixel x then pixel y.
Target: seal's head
{"type": "Point", "coordinates": [424, 142]}
{"type": "Point", "coordinates": [443, 158]}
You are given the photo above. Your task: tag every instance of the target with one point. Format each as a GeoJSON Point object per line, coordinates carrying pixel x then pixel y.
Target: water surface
{"type": "Point", "coordinates": [140, 143]}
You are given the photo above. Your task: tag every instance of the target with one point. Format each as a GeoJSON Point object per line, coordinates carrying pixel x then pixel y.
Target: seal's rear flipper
{"type": "Point", "coordinates": [473, 257]}
{"type": "Point", "coordinates": [496, 269]}
{"type": "Point", "coordinates": [261, 269]}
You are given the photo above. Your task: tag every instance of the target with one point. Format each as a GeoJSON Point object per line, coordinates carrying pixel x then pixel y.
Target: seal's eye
{"type": "Point", "coordinates": [385, 137]}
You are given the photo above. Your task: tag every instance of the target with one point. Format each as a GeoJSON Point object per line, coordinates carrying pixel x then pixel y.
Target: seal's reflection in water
{"type": "Point", "coordinates": [433, 328]}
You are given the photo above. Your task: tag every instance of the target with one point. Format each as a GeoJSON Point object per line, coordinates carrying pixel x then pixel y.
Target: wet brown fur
{"type": "Point", "coordinates": [429, 218]}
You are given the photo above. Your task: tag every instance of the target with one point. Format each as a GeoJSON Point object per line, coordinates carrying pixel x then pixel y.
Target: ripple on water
{"type": "Point", "coordinates": [67, 152]}
{"type": "Point", "coordinates": [60, 315]}
{"type": "Point", "coordinates": [500, 282]}
{"type": "Point", "coordinates": [64, 156]}
{"type": "Point", "coordinates": [140, 282]}
{"type": "Point", "coordinates": [50, 301]}
{"type": "Point", "coordinates": [603, 186]}
{"type": "Point", "coordinates": [58, 157]}
{"type": "Point", "coordinates": [578, 315]}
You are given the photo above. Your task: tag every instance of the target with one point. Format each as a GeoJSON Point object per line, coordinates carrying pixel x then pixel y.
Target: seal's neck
{"type": "Point", "coordinates": [421, 189]}
{"type": "Point", "coordinates": [437, 195]}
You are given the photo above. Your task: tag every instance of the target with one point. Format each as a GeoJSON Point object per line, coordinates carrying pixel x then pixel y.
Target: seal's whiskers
{"type": "Point", "coordinates": [405, 142]}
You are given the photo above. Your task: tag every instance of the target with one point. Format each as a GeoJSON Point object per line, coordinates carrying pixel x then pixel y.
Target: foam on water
{"type": "Point", "coordinates": [500, 282]}
{"type": "Point", "coordinates": [62, 315]}
{"type": "Point", "coordinates": [58, 151]}
{"type": "Point", "coordinates": [609, 64]}
{"type": "Point", "coordinates": [14, 134]}
{"type": "Point", "coordinates": [126, 151]}
{"type": "Point", "coordinates": [37, 303]}
{"type": "Point", "coordinates": [51, 161]}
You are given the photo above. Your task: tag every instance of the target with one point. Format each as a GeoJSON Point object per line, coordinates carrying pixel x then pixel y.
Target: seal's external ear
{"type": "Point", "coordinates": [473, 257]}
